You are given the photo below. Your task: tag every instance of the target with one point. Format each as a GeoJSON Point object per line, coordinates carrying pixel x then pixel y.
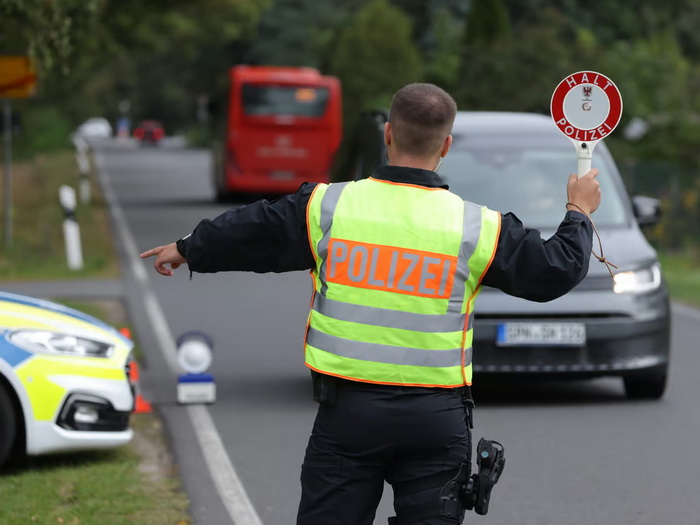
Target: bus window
{"type": "Point", "coordinates": [284, 100]}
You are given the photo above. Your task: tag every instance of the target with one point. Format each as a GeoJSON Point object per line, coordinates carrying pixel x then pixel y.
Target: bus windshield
{"type": "Point", "coordinates": [298, 101]}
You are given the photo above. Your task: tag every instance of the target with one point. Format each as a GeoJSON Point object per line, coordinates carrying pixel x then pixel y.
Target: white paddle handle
{"type": "Point", "coordinates": [584, 153]}
{"type": "Point", "coordinates": [584, 165]}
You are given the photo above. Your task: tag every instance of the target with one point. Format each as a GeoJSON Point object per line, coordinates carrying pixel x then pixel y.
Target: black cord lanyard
{"type": "Point", "coordinates": [600, 257]}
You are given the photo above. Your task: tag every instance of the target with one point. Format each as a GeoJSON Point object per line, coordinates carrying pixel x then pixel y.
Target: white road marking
{"type": "Point", "coordinates": [226, 480]}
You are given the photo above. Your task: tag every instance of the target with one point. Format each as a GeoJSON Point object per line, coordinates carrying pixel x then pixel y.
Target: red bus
{"type": "Point", "coordinates": [284, 128]}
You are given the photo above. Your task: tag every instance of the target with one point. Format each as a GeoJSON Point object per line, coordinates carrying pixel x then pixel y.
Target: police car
{"type": "Point", "coordinates": [63, 380]}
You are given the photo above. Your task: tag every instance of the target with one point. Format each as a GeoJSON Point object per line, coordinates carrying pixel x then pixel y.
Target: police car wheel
{"type": "Point", "coordinates": [8, 425]}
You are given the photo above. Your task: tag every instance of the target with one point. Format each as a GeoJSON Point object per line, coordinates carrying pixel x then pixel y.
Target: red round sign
{"type": "Point", "coordinates": [586, 106]}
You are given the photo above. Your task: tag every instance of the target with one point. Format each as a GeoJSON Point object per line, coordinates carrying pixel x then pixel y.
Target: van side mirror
{"type": "Point", "coordinates": [647, 210]}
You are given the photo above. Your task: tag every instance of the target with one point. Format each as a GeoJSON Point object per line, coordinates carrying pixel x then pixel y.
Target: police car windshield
{"type": "Point", "coordinates": [528, 181]}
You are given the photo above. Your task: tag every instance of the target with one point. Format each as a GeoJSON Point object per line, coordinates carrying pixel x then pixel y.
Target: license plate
{"type": "Point", "coordinates": [541, 334]}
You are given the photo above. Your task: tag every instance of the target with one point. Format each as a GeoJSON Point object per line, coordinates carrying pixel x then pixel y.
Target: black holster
{"type": "Point", "coordinates": [468, 402]}
{"type": "Point", "coordinates": [325, 389]}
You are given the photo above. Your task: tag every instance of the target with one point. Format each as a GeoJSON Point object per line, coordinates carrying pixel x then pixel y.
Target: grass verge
{"type": "Point", "coordinates": [37, 251]}
{"type": "Point", "coordinates": [133, 485]}
{"type": "Point", "coordinates": [682, 272]}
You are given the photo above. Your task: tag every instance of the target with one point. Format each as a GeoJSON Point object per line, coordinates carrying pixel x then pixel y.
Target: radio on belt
{"type": "Point", "coordinates": [586, 107]}
{"type": "Point", "coordinates": [194, 355]}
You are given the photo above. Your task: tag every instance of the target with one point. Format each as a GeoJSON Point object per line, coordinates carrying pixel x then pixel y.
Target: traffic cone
{"type": "Point", "coordinates": [141, 406]}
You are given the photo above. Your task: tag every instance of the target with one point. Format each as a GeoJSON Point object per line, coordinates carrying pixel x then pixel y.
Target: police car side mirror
{"type": "Point", "coordinates": [647, 210]}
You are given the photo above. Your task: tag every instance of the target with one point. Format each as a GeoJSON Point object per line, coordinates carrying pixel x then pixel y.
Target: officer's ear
{"type": "Point", "coordinates": [387, 133]}
{"type": "Point", "coordinates": [446, 146]}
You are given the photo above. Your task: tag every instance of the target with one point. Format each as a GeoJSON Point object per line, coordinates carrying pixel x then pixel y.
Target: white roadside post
{"type": "Point", "coordinates": [71, 230]}
{"type": "Point", "coordinates": [194, 355]}
{"type": "Point", "coordinates": [586, 106]}
{"type": "Point", "coordinates": [83, 162]}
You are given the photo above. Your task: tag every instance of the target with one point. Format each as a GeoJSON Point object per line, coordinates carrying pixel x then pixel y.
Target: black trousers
{"type": "Point", "coordinates": [414, 438]}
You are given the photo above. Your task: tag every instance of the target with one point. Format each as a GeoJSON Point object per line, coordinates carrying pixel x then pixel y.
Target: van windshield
{"type": "Point", "coordinates": [298, 101]}
{"type": "Point", "coordinates": [528, 181]}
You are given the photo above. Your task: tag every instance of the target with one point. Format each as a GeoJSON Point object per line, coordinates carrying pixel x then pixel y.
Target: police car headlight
{"type": "Point", "coordinates": [638, 281]}
{"type": "Point", "coordinates": [60, 343]}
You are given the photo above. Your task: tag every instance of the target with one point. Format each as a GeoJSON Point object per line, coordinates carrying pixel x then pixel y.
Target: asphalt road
{"type": "Point", "coordinates": [577, 452]}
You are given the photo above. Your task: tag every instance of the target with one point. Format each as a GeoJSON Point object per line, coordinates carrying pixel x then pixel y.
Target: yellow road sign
{"type": "Point", "coordinates": [17, 77]}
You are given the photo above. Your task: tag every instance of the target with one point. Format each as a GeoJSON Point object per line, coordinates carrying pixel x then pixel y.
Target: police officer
{"type": "Point", "coordinates": [397, 262]}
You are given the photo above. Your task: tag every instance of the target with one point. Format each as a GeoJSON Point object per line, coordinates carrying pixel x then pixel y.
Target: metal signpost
{"type": "Point", "coordinates": [7, 186]}
{"type": "Point", "coordinates": [17, 80]}
{"type": "Point", "coordinates": [586, 107]}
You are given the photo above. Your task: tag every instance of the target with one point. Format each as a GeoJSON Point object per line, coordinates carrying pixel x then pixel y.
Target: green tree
{"type": "Point", "coordinates": [295, 33]}
{"type": "Point", "coordinates": [657, 83]}
{"type": "Point", "coordinates": [94, 53]}
{"type": "Point", "coordinates": [611, 20]}
{"type": "Point", "coordinates": [443, 58]}
{"type": "Point", "coordinates": [47, 31]}
{"type": "Point", "coordinates": [165, 57]}
{"type": "Point", "coordinates": [488, 22]}
{"type": "Point", "coordinates": [375, 56]}
{"type": "Point", "coordinates": [520, 74]}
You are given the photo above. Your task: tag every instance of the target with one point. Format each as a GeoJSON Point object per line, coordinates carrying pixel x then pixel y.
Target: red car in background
{"type": "Point", "coordinates": [149, 132]}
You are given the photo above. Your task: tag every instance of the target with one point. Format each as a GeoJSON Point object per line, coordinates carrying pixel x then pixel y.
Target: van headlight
{"type": "Point", "coordinates": [638, 281]}
{"type": "Point", "coordinates": [59, 343]}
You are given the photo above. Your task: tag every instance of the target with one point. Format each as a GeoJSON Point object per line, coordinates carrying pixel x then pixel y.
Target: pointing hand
{"type": "Point", "coordinates": [167, 254]}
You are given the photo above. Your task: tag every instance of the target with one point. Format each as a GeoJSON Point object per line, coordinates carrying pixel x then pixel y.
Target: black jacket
{"type": "Point", "coordinates": [271, 236]}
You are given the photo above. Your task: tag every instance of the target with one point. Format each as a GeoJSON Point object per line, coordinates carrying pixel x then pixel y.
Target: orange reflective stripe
{"type": "Point", "coordinates": [390, 268]}
{"type": "Point", "coordinates": [326, 372]}
{"type": "Point", "coordinates": [417, 186]}
{"type": "Point", "coordinates": [308, 317]}
{"type": "Point", "coordinates": [308, 224]}
{"type": "Point", "coordinates": [493, 252]}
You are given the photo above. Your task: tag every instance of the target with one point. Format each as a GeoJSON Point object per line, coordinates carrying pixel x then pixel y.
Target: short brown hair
{"type": "Point", "coordinates": [421, 118]}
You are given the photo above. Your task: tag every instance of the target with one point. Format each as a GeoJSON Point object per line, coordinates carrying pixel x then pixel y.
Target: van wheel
{"type": "Point", "coordinates": [8, 425]}
{"type": "Point", "coordinates": [647, 385]}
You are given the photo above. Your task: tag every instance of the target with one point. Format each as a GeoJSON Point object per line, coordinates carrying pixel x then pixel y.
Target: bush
{"type": "Point", "coordinates": [199, 137]}
{"type": "Point", "coordinates": [43, 129]}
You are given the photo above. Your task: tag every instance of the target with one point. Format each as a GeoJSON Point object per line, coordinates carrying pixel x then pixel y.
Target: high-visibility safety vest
{"type": "Point", "coordinates": [398, 267]}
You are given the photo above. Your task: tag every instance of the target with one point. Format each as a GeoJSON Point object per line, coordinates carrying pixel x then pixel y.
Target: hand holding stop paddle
{"type": "Point", "coordinates": [583, 194]}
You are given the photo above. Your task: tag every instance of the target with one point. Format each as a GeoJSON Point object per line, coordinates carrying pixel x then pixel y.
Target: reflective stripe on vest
{"type": "Point", "coordinates": [392, 311]}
